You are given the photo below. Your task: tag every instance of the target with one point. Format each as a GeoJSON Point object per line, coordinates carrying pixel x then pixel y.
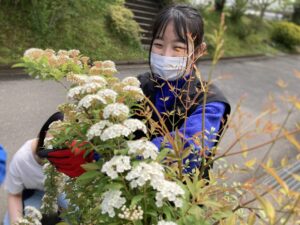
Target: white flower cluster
{"type": "Point", "coordinates": [143, 147]}
{"type": "Point", "coordinates": [168, 190]}
{"type": "Point", "coordinates": [134, 125]}
{"type": "Point", "coordinates": [107, 130]}
{"type": "Point", "coordinates": [48, 203]}
{"type": "Point", "coordinates": [96, 129]}
{"type": "Point", "coordinates": [132, 214]}
{"type": "Point", "coordinates": [77, 78]}
{"type": "Point", "coordinates": [107, 95]}
{"type": "Point", "coordinates": [118, 111]}
{"type": "Point", "coordinates": [47, 142]}
{"type": "Point", "coordinates": [102, 96]}
{"type": "Point", "coordinates": [33, 213]}
{"type": "Point", "coordinates": [96, 79]}
{"type": "Point", "coordinates": [82, 79]}
{"type": "Point", "coordinates": [163, 222]}
{"type": "Point", "coordinates": [115, 131]}
{"type": "Point", "coordinates": [118, 164]}
{"type": "Point", "coordinates": [88, 100]}
{"type": "Point", "coordinates": [144, 172]}
{"type": "Point", "coordinates": [134, 92]}
{"type": "Point", "coordinates": [112, 200]}
{"type": "Point", "coordinates": [154, 173]}
{"type": "Point", "coordinates": [56, 124]}
{"type": "Point", "coordinates": [131, 81]}
{"type": "Point", "coordinates": [25, 221]}
{"type": "Point", "coordinates": [88, 88]}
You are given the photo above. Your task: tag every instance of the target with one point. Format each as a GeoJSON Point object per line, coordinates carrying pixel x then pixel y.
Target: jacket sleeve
{"type": "Point", "coordinates": [2, 163]}
{"type": "Point", "coordinates": [213, 115]}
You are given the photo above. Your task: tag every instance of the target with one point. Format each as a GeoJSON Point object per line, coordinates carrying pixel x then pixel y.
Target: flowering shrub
{"type": "Point", "coordinates": [135, 183]}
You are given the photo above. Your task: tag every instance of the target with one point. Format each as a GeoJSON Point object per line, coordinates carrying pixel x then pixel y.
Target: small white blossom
{"type": "Point", "coordinates": [107, 95]}
{"type": "Point", "coordinates": [96, 79]}
{"type": "Point", "coordinates": [168, 190]}
{"type": "Point", "coordinates": [56, 124]}
{"type": "Point", "coordinates": [132, 213]}
{"type": "Point", "coordinates": [118, 164]}
{"type": "Point", "coordinates": [144, 172]}
{"type": "Point", "coordinates": [135, 92]}
{"type": "Point", "coordinates": [32, 212]}
{"type": "Point", "coordinates": [131, 81]}
{"type": "Point", "coordinates": [74, 92]}
{"type": "Point", "coordinates": [34, 53]}
{"type": "Point", "coordinates": [89, 88]}
{"type": "Point", "coordinates": [143, 147]}
{"type": "Point", "coordinates": [88, 100]}
{"type": "Point", "coordinates": [77, 78]}
{"type": "Point", "coordinates": [163, 222]}
{"type": "Point", "coordinates": [23, 221]}
{"type": "Point", "coordinates": [135, 124]}
{"type": "Point", "coordinates": [96, 129]}
{"type": "Point", "coordinates": [47, 142]}
{"type": "Point", "coordinates": [114, 131]}
{"type": "Point", "coordinates": [116, 111]}
{"type": "Point", "coordinates": [111, 200]}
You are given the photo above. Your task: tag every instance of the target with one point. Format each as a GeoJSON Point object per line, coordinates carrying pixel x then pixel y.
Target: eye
{"type": "Point", "coordinates": [158, 45]}
{"type": "Point", "coordinates": [179, 48]}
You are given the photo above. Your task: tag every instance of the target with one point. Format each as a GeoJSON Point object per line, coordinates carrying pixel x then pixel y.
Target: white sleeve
{"type": "Point", "coordinates": [13, 182]}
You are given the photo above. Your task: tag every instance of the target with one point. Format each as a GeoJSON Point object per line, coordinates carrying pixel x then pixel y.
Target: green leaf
{"type": "Point", "coordinates": [90, 166]}
{"type": "Point", "coordinates": [162, 154]}
{"type": "Point", "coordinates": [18, 65]}
{"type": "Point", "coordinates": [90, 175]}
{"type": "Point", "coordinates": [62, 223]}
{"type": "Point", "coordinates": [136, 199]}
{"type": "Point", "coordinates": [114, 186]}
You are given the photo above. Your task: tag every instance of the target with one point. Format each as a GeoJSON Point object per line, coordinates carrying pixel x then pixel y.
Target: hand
{"type": "Point", "coordinates": [69, 160]}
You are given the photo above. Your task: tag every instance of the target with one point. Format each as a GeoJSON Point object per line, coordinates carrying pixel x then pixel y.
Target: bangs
{"type": "Point", "coordinates": [180, 27]}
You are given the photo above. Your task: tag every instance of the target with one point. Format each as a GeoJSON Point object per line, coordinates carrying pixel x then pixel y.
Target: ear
{"type": "Point", "coordinates": [201, 50]}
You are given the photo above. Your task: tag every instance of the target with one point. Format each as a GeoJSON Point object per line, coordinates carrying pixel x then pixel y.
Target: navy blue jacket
{"type": "Point", "coordinates": [165, 100]}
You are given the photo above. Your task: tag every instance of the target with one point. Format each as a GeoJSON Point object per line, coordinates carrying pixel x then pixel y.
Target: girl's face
{"type": "Point", "coordinates": [169, 44]}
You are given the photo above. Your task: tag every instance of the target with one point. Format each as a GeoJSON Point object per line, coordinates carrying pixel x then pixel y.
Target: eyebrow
{"type": "Point", "coordinates": [177, 40]}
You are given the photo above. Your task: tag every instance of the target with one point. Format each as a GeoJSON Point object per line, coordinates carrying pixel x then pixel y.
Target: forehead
{"type": "Point", "coordinates": [169, 31]}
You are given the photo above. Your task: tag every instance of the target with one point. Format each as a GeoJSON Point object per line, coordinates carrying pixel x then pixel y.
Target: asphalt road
{"type": "Point", "coordinates": [26, 103]}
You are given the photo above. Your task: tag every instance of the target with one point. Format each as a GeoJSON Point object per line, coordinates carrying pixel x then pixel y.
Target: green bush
{"type": "Point", "coordinates": [122, 23]}
{"type": "Point", "coordinates": [286, 34]}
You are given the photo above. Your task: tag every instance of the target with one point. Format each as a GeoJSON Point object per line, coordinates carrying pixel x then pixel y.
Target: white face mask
{"type": "Point", "coordinates": [168, 68]}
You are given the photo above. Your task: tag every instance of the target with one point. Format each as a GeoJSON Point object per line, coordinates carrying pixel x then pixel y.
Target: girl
{"type": "Point", "coordinates": [172, 86]}
{"type": "Point", "coordinates": [25, 178]}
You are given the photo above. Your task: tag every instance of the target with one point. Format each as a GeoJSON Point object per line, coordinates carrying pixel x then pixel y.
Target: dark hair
{"type": "Point", "coordinates": [42, 134]}
{"type": "Point", "coordinates": [186, 19]}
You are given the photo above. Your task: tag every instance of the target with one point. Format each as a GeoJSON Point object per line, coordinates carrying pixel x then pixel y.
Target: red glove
{"type": "Point", "coordinates": [69, 161]}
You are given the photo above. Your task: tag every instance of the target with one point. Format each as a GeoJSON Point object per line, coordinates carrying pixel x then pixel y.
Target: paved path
{"type": "Point", "coordinates": [26, 103]}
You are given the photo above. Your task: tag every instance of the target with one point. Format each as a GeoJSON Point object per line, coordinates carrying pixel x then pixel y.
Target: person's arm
{"type": "Point", "coordinates": [213, 115]}
{"type": "Point", "coordinates": [15, 207]}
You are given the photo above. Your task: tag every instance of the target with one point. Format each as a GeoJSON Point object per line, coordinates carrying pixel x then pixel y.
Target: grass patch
{"type": "Point", "coordinates": [74, 24]}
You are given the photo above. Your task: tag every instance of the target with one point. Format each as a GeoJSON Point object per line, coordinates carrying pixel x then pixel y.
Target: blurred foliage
{"type": "Point", "coordinates": [247, 36]}
{"type": "Point", "coordinates": [63, 25]}
{"type": "Point", "coordinates": [238, 9]}
{"type": "Point", "coordinates": [286, 34]}
{"type": "Point", "coordinates": [169, 2]}
{"type": "Point", "coordinates": [296, 13]}
{"type": "Point", "coordinates": [122, 22]}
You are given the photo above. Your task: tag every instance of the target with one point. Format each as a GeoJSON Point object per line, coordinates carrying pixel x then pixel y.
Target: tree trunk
{"type": "Point", "coordinates": [296, 13]}
{"type": "Point", "coordinates": [219, 5]}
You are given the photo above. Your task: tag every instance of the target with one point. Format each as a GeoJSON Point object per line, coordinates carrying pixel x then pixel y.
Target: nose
{"type": "Point", "coordinates": [167, 51]}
